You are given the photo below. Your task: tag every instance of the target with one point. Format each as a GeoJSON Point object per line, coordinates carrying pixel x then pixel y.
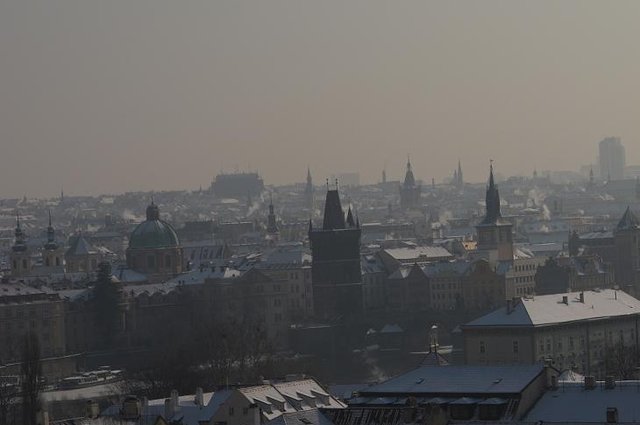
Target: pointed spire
{"type": "Point", "coordinates": [51, 236]}
{"type": "Point", "coordinates": [408, 163]}
{"type": "Point", "coordinates": [629, 221]}
{"type": "Point", "coordinates": [492, 200]}
{"type": "Point", "coordinates": [491, 181]}
{"type": "Point", "coordinates": [19, 244]}
{"type": "Point", "coordinates": [350, 220]}
{"type": "Point", "coordinates": [333, 214]}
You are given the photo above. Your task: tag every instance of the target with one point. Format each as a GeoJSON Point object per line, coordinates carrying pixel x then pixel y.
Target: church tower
{"type": "Point", "coordinates": [21, 264]}
{"type": "Point", "coordinates": [273, 233]}
{"type": "Point", "coordinates": [308, 190]}
{"type": "Point", "coordinates": [494, 233]}
{"type": "Point", "coordinates": [409, 191]}
{"type": "Point", "coordinates": [335, 271]}
{"type": "Point", "coordinates": [53, 253]}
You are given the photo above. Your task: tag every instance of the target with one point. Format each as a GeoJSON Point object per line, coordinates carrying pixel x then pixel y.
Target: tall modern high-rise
{"type": "Point", "coordinates": [612, 159]}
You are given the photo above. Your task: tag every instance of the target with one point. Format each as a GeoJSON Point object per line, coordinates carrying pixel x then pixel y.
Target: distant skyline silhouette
{"type": "Point", "coordinates": [109, 97]}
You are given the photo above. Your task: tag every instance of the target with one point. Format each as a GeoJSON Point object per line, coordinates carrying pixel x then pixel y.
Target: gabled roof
{"type": "Point", "coordinates": [628, 221]}
{"type": "Point", "coordinates": [80, 246]}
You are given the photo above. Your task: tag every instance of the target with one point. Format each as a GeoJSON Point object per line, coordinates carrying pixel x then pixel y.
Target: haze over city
{"type": "Point", "coordinates": [155, 95]}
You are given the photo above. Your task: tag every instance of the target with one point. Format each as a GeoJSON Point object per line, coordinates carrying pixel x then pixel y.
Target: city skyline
{"type": "Point", "coordinates": [108, 98]}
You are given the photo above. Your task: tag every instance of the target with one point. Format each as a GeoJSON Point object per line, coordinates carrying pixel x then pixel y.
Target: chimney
{"type": "Point", "coordinates": [199, 399]}
{"type": "Point", "coordinates": [175, 402]}
{"type": "Point", "coordinates": [589, 382]}
{"type": "Point", "coordinates": [168, 409]}
{"type": "Point", "coordinates": [565, 299]}
{"type": "Point", "coordinates": [42, 417]}
{"type": "Point", "coordinates": [509, 306]}
{"type": "Point", "coordinates": [92, 409]}
{"type": "Point", "coordinates": [582, 297]}
{"type": "Point", "coordinates": [609, 382]}
{"type": "Point", "coordinates": [554, 382]}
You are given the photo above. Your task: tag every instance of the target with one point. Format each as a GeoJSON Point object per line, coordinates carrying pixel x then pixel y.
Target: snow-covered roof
{"type": "Point", "coordinates": [458, 380]}
{"type": "Point", "coordinates": [550, 309]}
{"type": "Point", "coordinates": [571, 403]}
{"type": "Point", "coordinates": [417, 253]}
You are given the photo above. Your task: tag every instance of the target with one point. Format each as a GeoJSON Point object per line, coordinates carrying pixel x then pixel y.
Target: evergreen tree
{"type": "Point", "coordinates": [106, 298]}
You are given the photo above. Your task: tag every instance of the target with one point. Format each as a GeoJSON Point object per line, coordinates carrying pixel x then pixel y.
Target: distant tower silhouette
{"type": "Point", "coordinates": [591, 179]}
{"type": "Point", "coordinates": [335, 270]}
{"type": "Point", "coordinates": [494, 233]}
{"type": "Point", "coordinates": [409, 191]}
{"type": "Point", "coordinates": [272, 225]}
{"type": "Point", "coordinates": [384, 176]}
{"type": "Point", "coordinates": [460, 176]}
{"type": "Point", "coordinates": [308, 190]}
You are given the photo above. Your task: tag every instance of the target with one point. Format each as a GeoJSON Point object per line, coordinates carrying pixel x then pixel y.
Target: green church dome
{"type": "Point", "coordinates": [153, 233]}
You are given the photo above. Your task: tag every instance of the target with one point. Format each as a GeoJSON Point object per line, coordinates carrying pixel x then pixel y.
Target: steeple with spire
{"type": "Point", "coordinates": [51, 237]}
{"type": "Point", "coordinates": [494, 233]}
{"type": "Point", "coordinates": [53, 253]}
{"type": "Point", "coordinates": [460, 176]}
{"type": "Point", "coordinates": [309, 190]}
{"type": "Point", "coordinates": [409, 191]}
{"type": "Point", "coordinates": [272, 225]}
{"type": "Point", "coordinates": [20, 243]}
{"type": "Point", "coordinates": [492, 200]}
{"type": "Point", "coordinates": [20, 254]}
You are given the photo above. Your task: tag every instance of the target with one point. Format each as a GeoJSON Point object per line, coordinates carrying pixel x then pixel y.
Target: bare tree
{"type": "Point", "coordinates": [31, 378]}
{"type": "Point", "coordinates": [9, 392]}
{"type": "Point", "coordinates": [620, 361]}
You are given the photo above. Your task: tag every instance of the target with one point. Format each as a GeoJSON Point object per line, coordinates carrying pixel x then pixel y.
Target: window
{"type": "Point", "coordinates": [245, 411]}
{"type": "Point", "coordinates": [167, 261]}
{"type": "Point", "coordinates": [482, 347]}
{"type": "Point", "coordinates": [515, 347]}
{"type": "Point", "coordinates": [151, 261]}
{"type": "Point", "coordinates": [231, 411]}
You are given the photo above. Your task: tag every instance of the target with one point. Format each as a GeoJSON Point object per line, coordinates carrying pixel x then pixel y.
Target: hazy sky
{"type": "Point", "coordinates": [118, 95]}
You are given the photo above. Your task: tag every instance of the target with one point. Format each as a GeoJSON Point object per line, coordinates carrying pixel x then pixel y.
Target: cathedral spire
{"type": "Point", "coordinates": [492, 200]}
{"type": "Point", "coordinates": [51, 236]}
{"type": "Point", "coordinates": [350, 221]}
{"type": "Point", "coordinates": [19, 244]}
{"type": "Point", "coordinates": [272, 225]}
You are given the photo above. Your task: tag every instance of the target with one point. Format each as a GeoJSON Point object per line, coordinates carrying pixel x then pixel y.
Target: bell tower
{"type": "Point", "coordinates": [21, 264]}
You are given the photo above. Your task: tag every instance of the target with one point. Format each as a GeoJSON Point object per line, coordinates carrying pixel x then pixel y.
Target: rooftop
{"type": "Point", "coordinates": [547, 310]}
{"type": "Point", "coordinates": [458, 380]}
